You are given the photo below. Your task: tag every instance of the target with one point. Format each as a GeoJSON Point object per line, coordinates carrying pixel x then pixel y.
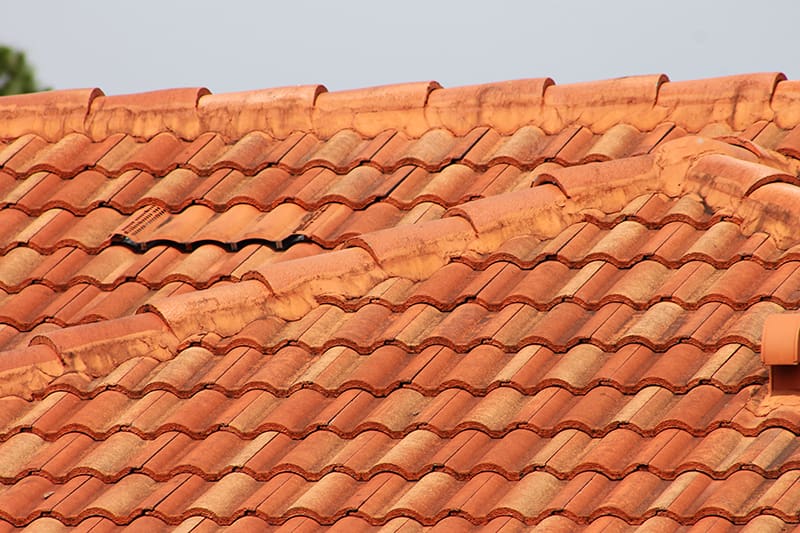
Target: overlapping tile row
{"type": "Point", "coordinates": [761, 523]}
{"type": "Point", "coordinates": [410, 183]}
{"type": "Point", "coordinates": [736, 102]}
{"type": "Point", "coordinates": [266, 190]}
{"type": "Point", "coordinates": [690, 285]}
{"type": "Point", "coordinates": [603, 409]}
{"type": "Point", "coordinates": [344, 151]}
{"type": "Point", "coordinates": [721, 454]}
{"type": "Point", "coordinates": [657, 210]}
{"type": "Point", "coordinates": [415, 411]}
{"type": "Point", "coordinates": [549, 286]}
{"type": "Point", "coordinates": [429, 500]}
{"type": "Point", "coordinates": [117, 282]}
{"type": "Point", "coordinates": [666, 231]}
{"type": "Point", "coordinates": [721, 246]}
{"type": "Point", "coordinates": [673, 235]}
{"type": "Point", "coordinates": [265, 173]}
{"type": "Point", "coordinates": [631, 262]}
{"type": "Point", "coordinates": [414, 108]}
{"type": "Point", "coordinates": [416, 326]}
{"type": "Point", "coordinates": [158, 266]}
{"type": "Point", "coordinates": [670, 240]}
{"type": "Point", "coordinates": [436, 369]}
{"type": "Point", "coordinates": [235, 228]}
{"type": "Point", "coordinates": [513, 328]}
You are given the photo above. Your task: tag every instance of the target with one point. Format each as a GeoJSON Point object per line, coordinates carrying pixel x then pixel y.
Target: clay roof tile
{"type": "Point", "coordinates": [21, 114]}
{"type": "Point", "coordinates": [146, 114]}
{"type": "Point", "coordinates": [278, 112]}
{"type": "Point", "coordinates": [509, 305]}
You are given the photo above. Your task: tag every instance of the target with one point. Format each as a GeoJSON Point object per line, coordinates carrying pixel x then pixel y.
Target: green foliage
{"type": "Point", "coordinates": [16, 75]}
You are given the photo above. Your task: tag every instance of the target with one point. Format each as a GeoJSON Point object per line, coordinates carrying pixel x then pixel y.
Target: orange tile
{"type": "Point", "coordinates": [432, 150]}
{"type": "Point", "coordinates": [23, 113]}
{"type": "Point", "coordinates": [374, 109]}
{"type": "Point", "coordinates": [20, 155]}
{"type": "Point", "coordinates": [64, 229]}
{"type": "Point", "coordinates": [225, 227]}
{"type": "Point", "coordinates": [358, 331]}
{"type": "Point", "coordinates": [447, 187]}
{"type": "Point", "coordinates": [15, 230]}
{"type": "Point", "coordinates": [64, 307]}
{"type": "Point", "coordinates": [26, 308]}
{"type": "Point", "coordinates": [122, 301]}
{"type": "Point", "coordinates": [21, 266]}
{"type": "Point", "coordinates": [172, 190]}
{"type": "Point", "coordinates": [629, 99]}
{"type": "Point", "coordinates": [278, 111]}
{"type": "Point", "coordinates": [527, 147]}
{"type": "Point", "coordinates": [510, 104]}
{"type": "Point", "coordinates": [357, 188]}
{"type": "Point", "coordinates": [575, 147]}
{"type": "Point", "coordinates": [790, 144]}
{"type": "Point", "coordinates": [118, 159]}
{"type": "Point", "coordinates": [343, 151]}
{"type": "Point", "coordinates": [25, 500]}
{"type": "Point", "coordinates": [146, 114]}
{"type": "Point", "coordinates": [12, 146]}
{"type": "Point", "coordinates": [231, 186]}
{"type": "Point", "coordinates": [735, 177]}
{"type": "Point", "coordinates": [106, 269]}
{"type": "Point", "coordinates": [157, 156]}
{"type": "Point", "coordinates": [36, 191]}
{"type": "Point", "coordinates": [84, 192]}
{"type": "Point", "coordinates": [257, 151]}
{"type": "Point", "coordinates": [7, 184]}
{"type": "Point", "coordinates": [755, 91]}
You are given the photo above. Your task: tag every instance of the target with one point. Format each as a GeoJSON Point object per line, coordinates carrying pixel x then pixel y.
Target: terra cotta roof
{"type": "Point", "coordinates": [499, 306]}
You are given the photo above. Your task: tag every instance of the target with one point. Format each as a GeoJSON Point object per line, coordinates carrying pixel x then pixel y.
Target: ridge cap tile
{"type": "Point", "coordinates": [537, 211]}
{"type": "Point", "coordinates": [222, 309]}
{"type": "Point", "coordinates": [26, 370]}
{"type": "Point", "coordinates": [278, 111]}
{"type": "Point", "coordinates": [600, 105]}
{"type": "Point", "coordinates": [738, 100]}
{"type": "Point", "coordinates": [146, 114]}
{"type": "Point", "coordinates": [415, 251]}
{"type": "Point", "coordinates": [96, 348]}
{"type": "Point", "coordinates": [299, 284]}
{"type": "Point", "coordinates": [505, 106]}
{"type": "Point", "coordinates": [66, 112]}
{"type": "Point", "coordinates": [784, 104]}
{"type": "Point", "coordinates": [374, 109]}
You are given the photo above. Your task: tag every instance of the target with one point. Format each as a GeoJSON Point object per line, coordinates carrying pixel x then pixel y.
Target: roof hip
{"type": "Point", "coordinates": [742, 187]}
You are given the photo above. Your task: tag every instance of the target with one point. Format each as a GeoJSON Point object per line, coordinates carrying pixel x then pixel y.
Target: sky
{"type": "Point", "coordinates": [124, 47]}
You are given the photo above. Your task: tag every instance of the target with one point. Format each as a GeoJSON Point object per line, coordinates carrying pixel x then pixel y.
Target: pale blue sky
{"type": "Point", "coordinates": [236, 45]}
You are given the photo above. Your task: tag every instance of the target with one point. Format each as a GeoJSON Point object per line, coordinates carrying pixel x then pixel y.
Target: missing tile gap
{"type": "Point", "coordinates": [229, 246]}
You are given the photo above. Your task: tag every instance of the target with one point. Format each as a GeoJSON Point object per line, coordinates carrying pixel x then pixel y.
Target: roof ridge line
{"type": "Point", "coordinates": [641, 101]}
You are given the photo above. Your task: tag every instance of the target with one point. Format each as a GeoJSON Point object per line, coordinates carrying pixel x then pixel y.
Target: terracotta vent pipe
{"type": "Point", "coordinates": [780, 351]}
